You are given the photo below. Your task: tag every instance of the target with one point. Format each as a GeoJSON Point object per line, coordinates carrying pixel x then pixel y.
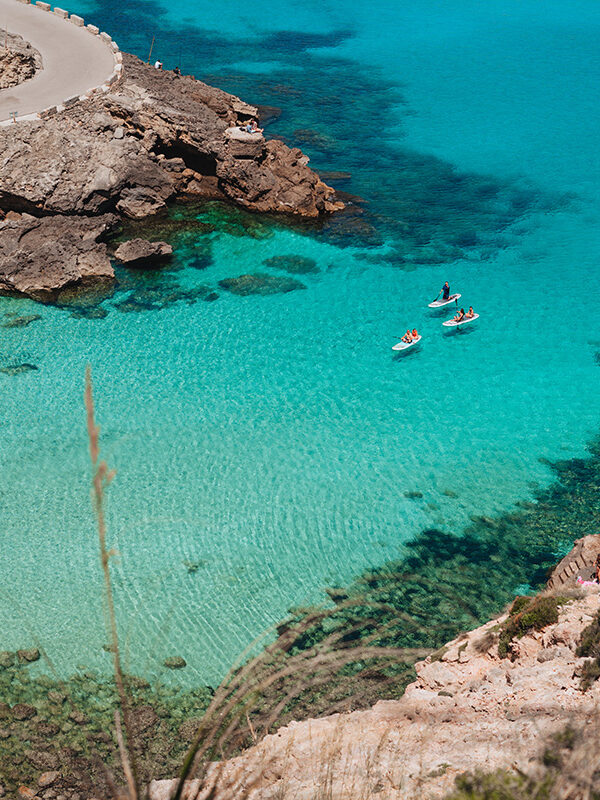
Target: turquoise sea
{"type": "Point", "coordinates": [268, 447]}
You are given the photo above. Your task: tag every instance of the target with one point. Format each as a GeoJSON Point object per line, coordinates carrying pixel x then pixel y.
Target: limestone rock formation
{"type": "Point", "coordinates": [155, 138]}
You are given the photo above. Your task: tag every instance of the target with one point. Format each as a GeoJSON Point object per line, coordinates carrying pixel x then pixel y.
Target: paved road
{"type": "Point", "coordinates": [74, 60]}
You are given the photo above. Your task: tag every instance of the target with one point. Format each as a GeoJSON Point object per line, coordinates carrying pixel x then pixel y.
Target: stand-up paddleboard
{"type": "Point", "coordinates": [452, 323]}
{"type": "Point", "coordinates": [440, 303]}
{"type": "Point", "coordinates": [406, 345]}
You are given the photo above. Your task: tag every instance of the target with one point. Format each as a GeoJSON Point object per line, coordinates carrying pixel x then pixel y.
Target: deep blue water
{"type": "Point", "coordinates": [265, 445]}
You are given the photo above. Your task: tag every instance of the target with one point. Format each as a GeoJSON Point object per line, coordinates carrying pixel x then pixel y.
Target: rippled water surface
{"type": "Point", "coordinates": [269, 446]}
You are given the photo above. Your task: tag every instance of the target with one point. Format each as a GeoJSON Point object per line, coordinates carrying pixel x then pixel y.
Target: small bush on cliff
{"type": "Point", "coordinates": [501, 785]}
{"type": "Point", "coordinates": [519, 603]}
{"type": "Point", "coordinates": [528, 614]}
{"type": "Point", "coordinates": [589, 641]}
{"type": "Point", "coordinates": [589, 646]}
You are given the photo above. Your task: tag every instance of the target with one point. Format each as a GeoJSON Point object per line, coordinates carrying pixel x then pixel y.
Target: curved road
{"type": "Point", "coordinates": [73, 60]}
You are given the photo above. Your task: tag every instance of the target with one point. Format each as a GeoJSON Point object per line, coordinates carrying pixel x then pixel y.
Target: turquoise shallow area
{"type": "Point", "coordinates": [265, 445]}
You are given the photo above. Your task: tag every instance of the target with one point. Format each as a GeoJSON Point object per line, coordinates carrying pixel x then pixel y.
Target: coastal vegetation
{"type": "Point", "coordinates": [528, 614]}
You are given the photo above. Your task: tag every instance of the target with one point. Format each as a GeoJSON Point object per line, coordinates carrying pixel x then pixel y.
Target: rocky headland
{"type": "Point", "coordinates": [66, 181]}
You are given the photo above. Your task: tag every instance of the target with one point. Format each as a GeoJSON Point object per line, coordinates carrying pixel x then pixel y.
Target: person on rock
{"type": "Point", "coordinates": [252, 127]}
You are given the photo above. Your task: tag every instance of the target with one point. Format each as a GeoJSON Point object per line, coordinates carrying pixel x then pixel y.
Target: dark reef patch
{"type": "Point", "coordinates": [156, 298]}
{"type": "Point", "coordinates": [19, 322]}
{"type": "Point", "coordinates": [18, 369]}
{"type": "Point", "coordinates": [295, 265]}
{"type": "Point", "coordinates": [260, 283]}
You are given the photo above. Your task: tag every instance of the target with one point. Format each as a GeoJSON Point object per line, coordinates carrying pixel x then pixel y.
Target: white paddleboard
{"type": "Point", "coordinates": [452, 323]}
{"type": "Point", "coordinates": [440, 303]}
{"type": "Point", "coordinates": [406, 345]}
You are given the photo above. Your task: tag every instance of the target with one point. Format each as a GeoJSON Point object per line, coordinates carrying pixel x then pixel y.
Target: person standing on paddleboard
{"type": "Point", "coordinates": [446, 291]}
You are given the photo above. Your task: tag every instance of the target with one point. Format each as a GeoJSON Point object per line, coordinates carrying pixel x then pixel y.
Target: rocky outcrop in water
{"type": "Point", "coordinates": [19, 61]}
{"type": "Point", "coordinates": [40, 255]}
{"type": "Point", "coordinates": [141, 252]}
{"type": "Point", "coordinates": [155, 138]}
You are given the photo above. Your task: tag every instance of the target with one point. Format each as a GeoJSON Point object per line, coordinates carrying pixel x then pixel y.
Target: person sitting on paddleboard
{"type": "Point", "coordinates": [460, 316]}
{"type": "Point", "coordinates": [415, 333]}
{"type": "Point", "coordinates": [407, 337]}
{"type": "Point", "coordinates": [446, 291]}
{"type": "Point", "coordinates": [470, 313]}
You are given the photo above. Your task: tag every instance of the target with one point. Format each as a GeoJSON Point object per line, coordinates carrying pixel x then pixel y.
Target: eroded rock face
{"type": "Point", "coordinates": [19, 61]}
{"type": "Point", "coordinates": [153, 139]}
{"type": "Point", "coordinates": [39, 256]}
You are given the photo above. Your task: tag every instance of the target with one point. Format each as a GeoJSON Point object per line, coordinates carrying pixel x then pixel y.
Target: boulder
{"type": "Point", "coordinates": [25, 656]}
{"type": "Point", "coordinates": [23, 711]}
{"type": "Point", "coordinates": [19, 61]}
{"type": "Point", "coordinates": [140, 252]}
{"type": "Point", "coordinates": [175, 662]}
{"type": "Point", "coordinates": [7, 659]}
{"type": "Point", "coordinates": [48, 778]}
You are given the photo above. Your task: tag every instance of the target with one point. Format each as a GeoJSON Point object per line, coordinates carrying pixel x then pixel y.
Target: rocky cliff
{"type": "Point", "coordinates": [156, 137]}
{"type": "Point", "coordinates": [487, 700]}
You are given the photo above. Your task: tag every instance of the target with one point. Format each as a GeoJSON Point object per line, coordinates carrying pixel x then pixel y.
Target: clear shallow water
{"type": "Point", "coordinates": [270, 441]}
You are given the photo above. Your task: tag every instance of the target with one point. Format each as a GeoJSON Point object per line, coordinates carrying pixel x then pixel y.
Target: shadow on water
{"type": "Point", "coordinates": [459, 332]}
{"type": "Point", "coordinates": [430, 212]}
{"type": "Point", "coordinates": [403, 355]}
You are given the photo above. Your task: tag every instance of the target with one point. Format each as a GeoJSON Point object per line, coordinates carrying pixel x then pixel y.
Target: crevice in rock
{"type": "Point", "coordinates": [19, 204]}
{"type": "Point", "coordinates": [203, 163]}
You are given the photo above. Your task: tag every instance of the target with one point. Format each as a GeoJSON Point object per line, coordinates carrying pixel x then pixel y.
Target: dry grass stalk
{"type": "Point", "coordinates": [100, 481]}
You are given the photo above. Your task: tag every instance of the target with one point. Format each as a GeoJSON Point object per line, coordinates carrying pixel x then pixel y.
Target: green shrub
{"type": "Point", "coordinates": [500, 785]}
{"type": "Point", "coordinates": [589, 645]}
{"type": "Point", "coordinates": [519, 603]}
{"type": "Point", "coordinates": [590, 673]}
{"type": "Point", "coordinates": [553, 755]}
{"type": "Point", "coordinates": [589, 641]}
{"type": "Point", "coordinates": [531, 614]}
